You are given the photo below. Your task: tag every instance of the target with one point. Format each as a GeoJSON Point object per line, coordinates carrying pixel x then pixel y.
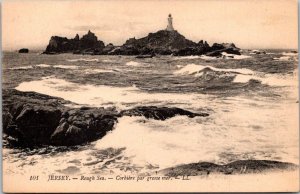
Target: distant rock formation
{"type": "Point", "coordinates": [217, 49]}
{"type": "Point", "coordinates": [24, 50]}
{"type": "Point", "coordinates": [88, 44]}
{"type": "Point", "coordinates": [162, 42]}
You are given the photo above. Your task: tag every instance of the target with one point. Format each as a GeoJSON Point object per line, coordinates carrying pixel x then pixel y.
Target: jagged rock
{"type": "Point", "coordinates": [33, 119]}
{"type": "Point", "coordinates": [162, 42]}
{"type": "Point", "coordinates": [217, 49]}
{"type": "Point", "coordinates": [24, 50]}
{"type": "Point", "coordinates": [229, 48]}
{"type": "Point", "coordinates": [78, 126]}
{"type": "Point", "coordinates": [108, 48]}
{"type": "Point", "coordinates": [237, 167]}
{"type": "Point", "coordinates": [88, 44]}
{"type": "Point", "coordinates": [159, 113]}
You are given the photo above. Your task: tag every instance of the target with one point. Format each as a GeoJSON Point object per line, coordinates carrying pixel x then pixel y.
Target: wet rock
{"type": "Point", "coordinates": [35, 124]}
{"type": "Point", "coordinates": [31, 119]}
{"type": "Point", "coordinates": [108, 48]}
{"type": "Point", "coordinates": [159, 113]}
{"type": "Point", "coordinates": [237, 167]}
{"type": "Point", "coordinates": [83, 125]}
{"type": "Point", "coordinates": [217, 49]}
{"type": "Point", "coordinates": [34, 119]}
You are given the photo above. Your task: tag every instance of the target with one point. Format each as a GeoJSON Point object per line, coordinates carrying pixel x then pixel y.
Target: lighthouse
{"type": "Point", "coordinates": [170, 23]}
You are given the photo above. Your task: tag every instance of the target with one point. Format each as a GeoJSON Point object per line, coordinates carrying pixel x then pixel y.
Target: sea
{"type": "Point", "coordinates": [252, 101]}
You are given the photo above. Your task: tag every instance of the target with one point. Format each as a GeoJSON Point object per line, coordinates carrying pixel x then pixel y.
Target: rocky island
{"type": "Point", "coordinates": [162, 42]}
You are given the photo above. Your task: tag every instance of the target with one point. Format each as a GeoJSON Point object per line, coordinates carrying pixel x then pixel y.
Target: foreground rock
{"type": "Point", "coordinates": [159, 113]}
{"type": "Point", "coordinates": [77, 126]}
{"type": "Point", "coordinates": [237, 167]}
{"type": "Point", "coordinates": [32, 119]}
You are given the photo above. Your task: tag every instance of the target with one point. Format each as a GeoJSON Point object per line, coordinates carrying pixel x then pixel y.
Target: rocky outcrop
{"type": "Point", "coordinates": [24, 50]}
{"type": "Point", "coordinates": [237, 167]}
{"type": "Point", "coordinates": [88, 44]}
{"type": "Point", "coordinates": [78, 126]}
{"type": "Point", "coordinates": [159, 113]}
{"type": "Point", "coordinates": [162, 42]}
{"type": "Point", "coordinates": [217, 49]}
{"type": "Point", "coordinates": [32, 119]}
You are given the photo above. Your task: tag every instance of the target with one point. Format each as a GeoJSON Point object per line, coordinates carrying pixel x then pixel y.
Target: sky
{"type": "Point", "coordinates": [247, 23]}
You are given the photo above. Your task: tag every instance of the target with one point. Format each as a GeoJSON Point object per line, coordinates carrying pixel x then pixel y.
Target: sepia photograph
{"type": "Point", "coordinates": [150, 96]}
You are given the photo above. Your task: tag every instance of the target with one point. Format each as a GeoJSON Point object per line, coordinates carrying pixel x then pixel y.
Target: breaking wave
{"type": "Point", "coordinates": [95, 71]}
{"type": "Point", "coordinates": [83, 59]}
{"type": "Point", "coordinates": [22, 67]}
{"type": "Point", "coordinates": [194, 69]}
{"type": "Point", "coordinates": [233, 56]}
{"type": "Point", "coordinates": [210, 74]}
{"type": "Point", "coordinates": [102, 95]}
{"type": "Point", "coordinates": [133, 63]}
{"type": "Point", "coordinates": [43, 65]}
{"type": "Point", "coordinates": [290, 53]}
{"type": "Point", "coordinates": [66, 66]}
{"type": "Point", "coordinates": [283, 58]}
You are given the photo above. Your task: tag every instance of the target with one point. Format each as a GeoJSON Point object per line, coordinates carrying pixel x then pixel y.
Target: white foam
{"type": "Point", "coordinates": [233, 56]}
{"type": "Point", "coordinates": [187, 57]}
{"type": "Point", "coordinates": [240, 78]}
{"type": "Point", "coordinates": [83, 59]}
{"type": "Point", "coordinates": [181, 139]}
{"type": "Point", "coordinates": [283, 58]}
{"type": "Point", "coordinates": [133, 63]}
{"type": "Point", "coordinates": [193, 68]}
{"type": "Point", "coordinates": [226, 56]}
{"type": "Point", "coordinates": [66, 66]}
{"type": "Point", "coordinates": [95, 71]}
{"type": "Point", "coordinates": [208, 57]}
{"type": "Point", "coordinates": [289, 54]}
{"type": "Point", "coordinates": [243, 76]}
{"type": "Point", "coordinates": [268, 79]}
{"type": "Point", "coordinates": [107, 61]}
{"type": "Point", "coordinates": [43, 65]}
{"type": "Point", "coordinates": [22, 67]}
{"type": "Point", "coordinates": [158, 143]}
{"type": "Point", "coordinates": [101, 95]}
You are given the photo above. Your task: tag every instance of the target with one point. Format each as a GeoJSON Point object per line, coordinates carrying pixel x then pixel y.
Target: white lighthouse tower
{"type": "Point", "coordinates": [170, 23]}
